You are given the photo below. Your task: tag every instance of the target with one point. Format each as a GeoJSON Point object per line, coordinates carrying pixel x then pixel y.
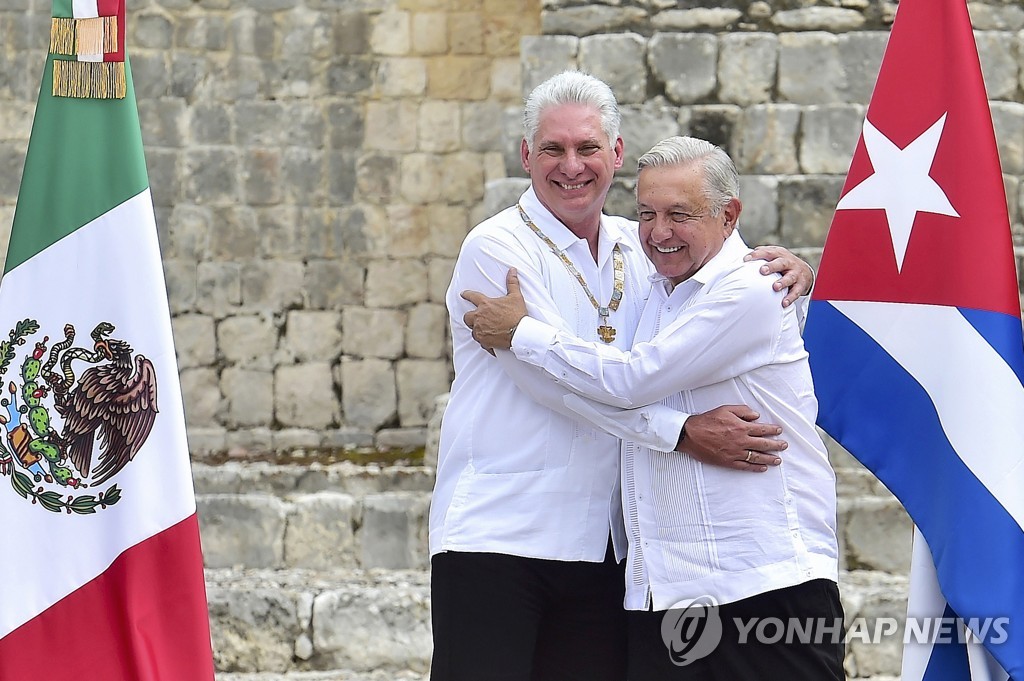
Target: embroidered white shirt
{"type": "Point", "coordinates": [720, 337]}
{"type": "Point", "coordinates": [519, 472]}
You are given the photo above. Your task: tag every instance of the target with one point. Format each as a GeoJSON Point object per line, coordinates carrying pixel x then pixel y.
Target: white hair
{"type": "Point", "coordinates": [721, 181]}
{"type": "Point", "coordinates": [571, 87]}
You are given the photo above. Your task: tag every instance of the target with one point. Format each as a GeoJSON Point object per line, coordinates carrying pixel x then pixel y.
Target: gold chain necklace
{"type": "Point", "coordinates": [605, 331]}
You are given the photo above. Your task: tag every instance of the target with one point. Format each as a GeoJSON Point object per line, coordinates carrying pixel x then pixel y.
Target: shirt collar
{"type": "Point", "coordinates": [562, 237]}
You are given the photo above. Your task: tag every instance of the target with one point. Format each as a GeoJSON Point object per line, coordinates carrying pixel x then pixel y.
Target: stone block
{"type": "Point", "coordinates": [262, 177]}
{"type": "Point", "coordinates": [860, 56]}
{"type": "Point", "coordinates": [254, 628]}
{"type": "Point", "coordinates": [203, 442]}
{"type": "Point", "coordinates": [400, 438]}
{"type": "Point", "coordinates": [242, 530]}
{"type": "Point", "coordinates": [829, 135]}
{"type": "Point", "coordinates": [999, 63]}
{"type": "Point", "coordinates": [462, 177]}
{"type": "Point", "coordinates": [420, 181]}
{"type": "Point", "coordinates": [401, 77]}
{"type": "Point", "coordinates": [202, 399]}
{"type": "Point", "coordinates": [425, 333]}
{"type": "Point", "coordinates": [434, 430]}
{"type": "Point", "coordinates": [330, 284]}
{"type": "Point", "coordinates": [810, 68]}
{"type": "Point", "coordinates": [369, 396]}
{"type": "Point", "coordinates": [767, 144]}
{"type": "Point", "coordinates": [759, 222]}
{"type": "Point", "coordinates": [345, 124]}
{"type": "Point", "coordinates": [506, 79]}
{"type": "Point", "coordinates": [164, 177]}
{"type": "Point", "coordinates": [394, 283]}
{"type": "Point", "coordinates": [458, 77]}
{"type": "Point", "coordinates": [248, 396]}
{"type": "Point", "coordinates": [312, 336]}
{"type": "Point", "coordinates": [163, 121]}
{"type": "Point", "coordinates": [372, 628]}
{"type": "Point", "coordinates": [439, 275]}
{"type": "Point", "coordinates": [685, 65]}
{"type": "Point", "coordinates": [716, 123]}
{"type": "Point", "coordinates": [319, 533]}
{"type": "Point", "coordinates": [465, 33]}
{"type": "Point", "coordinates": [271, 284]}
{"type": "Point", "coordinates": [295, 441]}
{"type": "Point", "coordinates": [500, 194]}
{"type": "Point", "coordinates": [747, 67]}
{"type": "Point", "coordinates": [304, 396]}
{"type": "Point", "coordinates": [152, 30]}
{"type": "Point", "coordinates": [877, 534]}
{"type": "Point", "coordinates": [867, 597]}
{"type": "Point", "coordinates": [994, 17]}
{"type": "Point", "coordinates": [419, 382]}
{"type": "Point", "coordinates": [618, 60]}
{"type": "Point", "coordinates": [683, 20]}
{"type": "Point", "coordinates": [368, 332]}
{"type": "Point", "coordinates": [394, 530]}
{"type": "Point", "coordinates": [544, 56]}
{"type": "Point", "coordinates": [503, 30]}
{"type": "Point", "coordinates": [210, 176]}
{"type": "Point", "coordinates": [1008, 121]}
{"type": "Point", "coordinates": [642, 127]}
{"type": "Point", "coordinates": [833, 19]}
{"type": "Point", "coordinates": [377, 177]}
{"type": "Point", "coordinates": [429, 33]}
{"type": "Point", "coordinates": [351, 31]}
{"type": "Point", "coordinates": [391, 126]}
{"type": "Point", "coordinates": [350, 75]}
{"type": "Point", "coordinates": [248, 340]}
{"type": "Point", "coordinates": [807, 204]}
{"type": "Point", "coordinates": [447, 226]}
{"type": "Point", "coordinates": [439, 126]}
{"type": "Point", "coordinates": [591, 19]}
{"type": "Point", "coordinates": [389, 33]}
{"type": "Point", "coordinates": [303, 172]}
{"type": "Point", "coordinates": [180, 276]}
{"type": "Point", "coordinates": [194, 340]}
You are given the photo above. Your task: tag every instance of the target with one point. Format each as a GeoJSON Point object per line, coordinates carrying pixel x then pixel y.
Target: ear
{"type": "Point", "coordinates": [524, 155]}
{"type": "Point", "coordinates": [619, 154]}
{"type": "Point", "coordinates": [732, 211]}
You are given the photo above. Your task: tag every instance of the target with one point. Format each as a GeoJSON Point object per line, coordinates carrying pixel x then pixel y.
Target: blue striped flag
{"type": "Point", "coordinates": [914, 328]}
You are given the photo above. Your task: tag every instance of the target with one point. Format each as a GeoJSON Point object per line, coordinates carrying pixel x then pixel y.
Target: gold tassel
{"type": "Point", "coordinates": [62, 35]}
{"type": "Point", "coordinates": [89, 36]}
{"type": "Point", "coordinates": [87, 79]}
{"type": "Point", "coordinates": [109, 34]}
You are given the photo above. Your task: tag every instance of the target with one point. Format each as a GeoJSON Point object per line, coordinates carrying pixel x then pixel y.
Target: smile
{"type": "Point", "coordinates": [659, 249]}
{"type": "Point", "coordinates": [570, 187]}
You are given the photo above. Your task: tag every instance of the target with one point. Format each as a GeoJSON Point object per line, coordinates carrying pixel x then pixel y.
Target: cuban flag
{"type": "Point", "coordinates": [914, 335]}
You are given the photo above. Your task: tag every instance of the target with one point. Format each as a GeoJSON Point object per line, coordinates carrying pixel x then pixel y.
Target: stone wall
{"type": "Point", "coordinates": [316, 163]}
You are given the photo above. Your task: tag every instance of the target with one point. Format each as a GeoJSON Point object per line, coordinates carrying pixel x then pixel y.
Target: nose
{"type": "Point", "coordinates": [661, 231]}
{"type": "Point", "coordinates": [572, 164]}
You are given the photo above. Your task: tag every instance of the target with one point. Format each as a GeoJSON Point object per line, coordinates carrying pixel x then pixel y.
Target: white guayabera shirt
{"type": "Point", "coordinates": [518, 472]}
{"type": "Point", "coordinates": [720, 337]}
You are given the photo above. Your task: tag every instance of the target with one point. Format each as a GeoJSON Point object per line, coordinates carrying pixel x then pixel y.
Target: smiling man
{"type": "Point", "coordinates": [763, 547]}
{"type": "Point", "coordinates": [526, 529]}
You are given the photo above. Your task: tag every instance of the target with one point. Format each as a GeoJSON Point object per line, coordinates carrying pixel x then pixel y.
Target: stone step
{"type": "Point", "coordinates": [299, 620]}
{"type": "Point", "coordinates": [329, 530]}
{"type": "Point", "coordinates": [356, 625]}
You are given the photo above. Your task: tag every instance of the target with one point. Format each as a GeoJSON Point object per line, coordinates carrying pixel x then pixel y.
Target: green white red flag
{"type": "Point", "coordinates": [102, 575]}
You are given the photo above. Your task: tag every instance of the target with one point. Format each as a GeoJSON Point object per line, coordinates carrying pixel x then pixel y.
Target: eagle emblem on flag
{"type": "Point", "coordinates": [113, 402]}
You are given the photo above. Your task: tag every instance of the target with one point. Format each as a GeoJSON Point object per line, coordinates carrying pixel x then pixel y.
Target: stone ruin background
{"type": "Point", "coordinates": [315, 165]}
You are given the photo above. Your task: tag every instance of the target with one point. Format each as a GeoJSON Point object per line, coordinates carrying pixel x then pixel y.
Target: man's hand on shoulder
{"type": "Point", "coordinates": [797, 275]}
{"type": "Point", "coordinates": [729, 436]}
{"type": "Point", "coordinates": [494, 320]}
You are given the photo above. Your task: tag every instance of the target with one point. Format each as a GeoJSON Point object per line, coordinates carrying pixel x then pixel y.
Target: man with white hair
{"type": "Point", "coordinates": [762, 548]}
{"type": "Point", "coordinates": [525, 521]}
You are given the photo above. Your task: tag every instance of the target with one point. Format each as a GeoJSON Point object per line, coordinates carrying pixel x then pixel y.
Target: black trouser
{"type": "Point", "coordinates": [499, 617]}
{"type": "Point", "coordinates": [754, 648]}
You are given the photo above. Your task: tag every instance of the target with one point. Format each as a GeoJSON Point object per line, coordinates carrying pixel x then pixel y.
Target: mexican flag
{"type": "Point", "coordinates": [102, 572]}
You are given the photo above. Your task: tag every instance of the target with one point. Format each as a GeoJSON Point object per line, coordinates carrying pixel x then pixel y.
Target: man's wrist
{"type": "Point", "coordinates": [682, 437]}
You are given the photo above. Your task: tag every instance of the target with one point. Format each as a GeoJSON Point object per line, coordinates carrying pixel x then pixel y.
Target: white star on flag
{"type": "Point", "coordinates": [900, 184]}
